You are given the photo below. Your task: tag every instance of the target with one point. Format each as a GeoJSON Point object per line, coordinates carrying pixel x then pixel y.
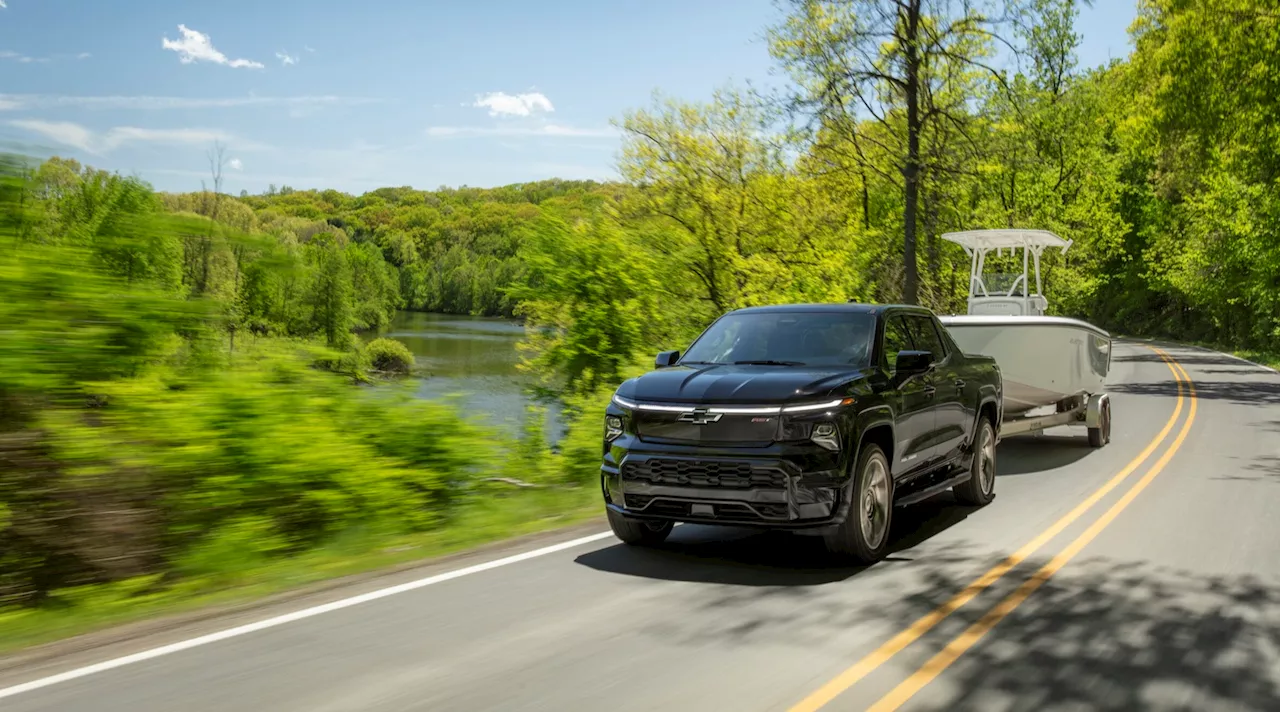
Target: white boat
{"type": "Point", "coordinates": [1049, 362]}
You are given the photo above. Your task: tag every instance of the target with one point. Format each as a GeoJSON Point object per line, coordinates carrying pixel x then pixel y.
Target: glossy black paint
{"type": "Point", "coordinates": [724, 444]}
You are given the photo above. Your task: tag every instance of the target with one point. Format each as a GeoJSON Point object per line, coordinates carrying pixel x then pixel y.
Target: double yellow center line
{"type": "Point", "coordinates": [975, 632]}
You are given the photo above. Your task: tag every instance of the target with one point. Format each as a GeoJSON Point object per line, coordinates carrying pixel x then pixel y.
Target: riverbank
{"type": "Point", "coordinates": [98, 609]}
{"type": "Point", "coordinates": [473, 361]}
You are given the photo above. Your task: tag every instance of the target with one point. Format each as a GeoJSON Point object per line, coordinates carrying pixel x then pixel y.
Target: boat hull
{"type": "Point", "coordinates": [1043, 359]}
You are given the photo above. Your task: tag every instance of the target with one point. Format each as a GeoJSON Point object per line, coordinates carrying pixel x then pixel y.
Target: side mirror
{"type": "Point", "coordinates": [666, 358]}
{"type": "Point", "coordinates": [914, 363]}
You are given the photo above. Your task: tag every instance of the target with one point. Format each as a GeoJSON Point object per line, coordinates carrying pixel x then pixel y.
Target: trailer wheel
{"type": "Point", "coordinates": [1101, 435]}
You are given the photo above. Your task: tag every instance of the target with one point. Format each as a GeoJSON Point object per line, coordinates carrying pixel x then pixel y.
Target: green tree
{"type": "Point", "coordinates": [331, 292]}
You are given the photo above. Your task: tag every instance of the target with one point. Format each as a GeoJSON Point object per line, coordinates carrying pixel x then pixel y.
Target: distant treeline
{"type": "Point", "coordinates": [452, 250]}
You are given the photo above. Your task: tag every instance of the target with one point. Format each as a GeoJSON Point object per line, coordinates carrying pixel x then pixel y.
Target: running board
{"type": "Point", "coordinates": [931, 490]}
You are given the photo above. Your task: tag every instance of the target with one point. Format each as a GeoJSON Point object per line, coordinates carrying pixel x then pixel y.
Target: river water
{"type": "Point", "coordinates": [471, 359]}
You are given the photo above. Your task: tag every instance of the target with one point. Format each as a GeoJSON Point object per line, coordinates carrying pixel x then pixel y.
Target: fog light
{"type": "Point", "coordinates": [826, 435]}
{"type": "Point", "coordinates": [612, 427]}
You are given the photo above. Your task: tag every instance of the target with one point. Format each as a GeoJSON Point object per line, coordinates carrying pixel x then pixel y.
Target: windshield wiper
{"type": "Point", "coordinates": [768, 363]}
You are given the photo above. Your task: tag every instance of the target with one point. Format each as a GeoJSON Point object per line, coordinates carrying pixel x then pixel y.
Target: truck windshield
{"type": "Point", "coordinates": [786, 339]}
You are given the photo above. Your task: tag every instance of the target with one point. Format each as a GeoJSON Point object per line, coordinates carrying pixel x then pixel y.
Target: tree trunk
{"type": "Point", "coordinates": [911, 168]}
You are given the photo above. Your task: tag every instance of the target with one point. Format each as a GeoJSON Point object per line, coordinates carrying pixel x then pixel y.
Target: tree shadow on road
{"type": "Point", "coordinates": [1103, 634]}
{"type": "Point", "coordinates": [1259, 470]}
{"type": "Point", "coordinates": [1206, 359]}
{"type": "Point", "coordinates": [743, 557]}
{"type": "Point", "coordinates": [1122, 635]}
{"type": "Point", "coordinates": [1254, 393]}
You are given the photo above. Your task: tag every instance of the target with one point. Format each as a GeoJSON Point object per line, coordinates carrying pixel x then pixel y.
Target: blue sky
{"type": "Point", "coordinates": [357, 95]}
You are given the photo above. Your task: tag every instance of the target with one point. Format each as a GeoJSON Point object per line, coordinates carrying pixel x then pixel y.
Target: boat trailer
{"type": "Point", "coordinates": [1090, 410]}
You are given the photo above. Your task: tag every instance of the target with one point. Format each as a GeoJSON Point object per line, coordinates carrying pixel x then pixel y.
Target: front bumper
{"type": "Point", "coordinates": [784, 486]}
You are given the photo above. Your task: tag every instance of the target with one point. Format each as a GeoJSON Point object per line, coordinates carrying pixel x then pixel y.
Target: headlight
{"type": "Point", "coordinates": [612, 427]}
{"type": "Point", "coordinates": [826, 435]}
{"type": "Point", "coordinates": [810, 407]}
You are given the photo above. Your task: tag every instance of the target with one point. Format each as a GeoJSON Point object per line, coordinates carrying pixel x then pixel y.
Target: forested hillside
{"type": "Point", "coordinates": [453, 250]}
{"type": "Point", "coordinates": [176, 370]}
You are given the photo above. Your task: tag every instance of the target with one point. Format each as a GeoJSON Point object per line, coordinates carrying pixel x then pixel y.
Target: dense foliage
{"type": "Point", "coordinates": [450, 250]}
{"type": "Point", "coordinates": [899, 127]}
{"type": "Point", "coordinates": [177, 398]}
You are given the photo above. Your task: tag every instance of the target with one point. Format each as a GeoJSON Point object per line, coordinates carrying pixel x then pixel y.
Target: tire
{"type": "Point", "coordinates": [637, 532]}
{"type": "Point", "coordinates": [1101, 435]}
{"type": "Point", "coordinates": [980, 488]}
{"type": "Point", "coordinates": [863, 536]}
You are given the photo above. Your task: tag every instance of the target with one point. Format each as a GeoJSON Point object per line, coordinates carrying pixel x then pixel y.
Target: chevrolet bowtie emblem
{"type": "Point", "coordinates": [699, 417]}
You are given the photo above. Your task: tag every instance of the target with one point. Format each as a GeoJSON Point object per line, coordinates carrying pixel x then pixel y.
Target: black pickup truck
{"type": "Point", "coordinates": [815, 418]}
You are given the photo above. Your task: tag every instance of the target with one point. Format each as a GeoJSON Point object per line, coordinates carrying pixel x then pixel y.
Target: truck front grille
{"type": "Point", "coordinates": [703, 473]}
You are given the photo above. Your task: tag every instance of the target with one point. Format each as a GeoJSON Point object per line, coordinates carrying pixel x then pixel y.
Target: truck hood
{"type": "Point", "coordinates": [738, 384]}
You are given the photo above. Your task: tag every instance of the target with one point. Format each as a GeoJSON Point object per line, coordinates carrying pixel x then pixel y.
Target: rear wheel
{"type": "Point", "coordinates": [980, 488]}
{"type": "Point", "coordinates": [1101, 435]}
{"type": "Point", "coordinates": [864, 534]}
{"type": "Point", "coordinates": [638, 532]}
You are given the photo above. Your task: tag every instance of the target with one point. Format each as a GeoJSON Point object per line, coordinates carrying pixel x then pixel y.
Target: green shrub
{"type": "Point", "coordinates": [388, 356]}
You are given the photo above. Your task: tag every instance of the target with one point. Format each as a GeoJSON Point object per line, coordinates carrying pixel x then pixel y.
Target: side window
{"type": "Point", "coordinates": [896, 339]}
{"type": "Point", "coordinates": [926, 338]}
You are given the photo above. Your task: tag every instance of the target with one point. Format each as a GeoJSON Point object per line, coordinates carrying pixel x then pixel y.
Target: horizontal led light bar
{"type": "Point", "coordinates": [732, 410]}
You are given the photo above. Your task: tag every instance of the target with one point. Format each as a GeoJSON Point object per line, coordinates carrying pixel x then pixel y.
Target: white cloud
{"type": "Point", "coordinates": [2, 5]}
{"type": "Point", "coordinates": [38, 101]}
{"type": "Point", "coordinates": [77, 136]}
{"type": "Point", "coordinates": [503, 104]}
{"type": "Point", "coordinates": [236, 164]}
{"type": "Point", "coordinates": [307, 48]}
{"type": "Point", "coordinates": [286, 59]}
{"type": "Point", "coordinates": [553, 130]}
{"type": "Point", "coordinates": [197, 47]}
{"type": "Point", "coordinates": [63, 132]}
{"type": "Point", "coordinates": [22, 58]}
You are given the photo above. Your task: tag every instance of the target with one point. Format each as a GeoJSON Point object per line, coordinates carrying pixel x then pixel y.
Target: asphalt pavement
{"type": "Point", "coordinates": [1143, 575]}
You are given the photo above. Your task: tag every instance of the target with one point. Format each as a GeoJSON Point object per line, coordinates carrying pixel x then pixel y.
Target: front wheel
{"type": "Point", "coordinates": [638, 532]}
{"type": "Point", "coordinates": [980, 488]}
{"type": "Point", "coordinates": [864, 534]}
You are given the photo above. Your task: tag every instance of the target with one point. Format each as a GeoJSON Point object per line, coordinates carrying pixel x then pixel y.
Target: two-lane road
{"type": "Point", "coordinates": [1145, 575]}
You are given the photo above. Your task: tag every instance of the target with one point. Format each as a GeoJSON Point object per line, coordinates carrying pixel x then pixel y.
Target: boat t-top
{"type": "Point", "coordinates": [1048, 363]}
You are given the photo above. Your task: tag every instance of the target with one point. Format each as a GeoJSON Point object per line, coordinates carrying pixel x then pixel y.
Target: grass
{"type": "Point", "coordinates": [90, 608]}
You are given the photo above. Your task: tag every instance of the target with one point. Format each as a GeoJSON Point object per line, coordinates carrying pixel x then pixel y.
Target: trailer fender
{"type": "Point", "coordinates": [1093, 411]}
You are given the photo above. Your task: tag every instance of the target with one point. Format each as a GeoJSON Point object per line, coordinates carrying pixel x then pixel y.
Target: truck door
{"type": "Point", "coordinates": [953, 416]}
{"type": "Point", "coordinates": [915, 417]}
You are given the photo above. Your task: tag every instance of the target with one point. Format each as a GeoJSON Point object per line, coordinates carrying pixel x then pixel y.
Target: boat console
{"type": "Point", "coordinates": [1005, 294]}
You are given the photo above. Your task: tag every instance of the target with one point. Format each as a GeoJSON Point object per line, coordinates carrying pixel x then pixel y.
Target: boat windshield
{"type": "Point", "coordinates": [786, 339]}
{"type": "Point", "coordinates": [1000, 283]}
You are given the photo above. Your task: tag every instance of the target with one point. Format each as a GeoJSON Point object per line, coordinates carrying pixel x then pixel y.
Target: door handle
{"type": "Point", "coordinates": [929, 390]}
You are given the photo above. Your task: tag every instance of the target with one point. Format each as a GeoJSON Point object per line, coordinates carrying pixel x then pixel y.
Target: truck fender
{"type": "Point", "coordinates": [873, 418]}
{"type": "Point", "coordinates": [983, 401]}
{"type": "Point", "coordinates": [870, 418]}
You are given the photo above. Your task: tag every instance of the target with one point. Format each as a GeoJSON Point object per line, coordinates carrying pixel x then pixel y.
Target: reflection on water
{"type": "Point", "coordinates": [472, 358]}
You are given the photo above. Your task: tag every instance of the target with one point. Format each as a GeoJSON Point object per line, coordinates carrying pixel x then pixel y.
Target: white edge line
{"type": "Point", "coordinates": [291, 617]}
